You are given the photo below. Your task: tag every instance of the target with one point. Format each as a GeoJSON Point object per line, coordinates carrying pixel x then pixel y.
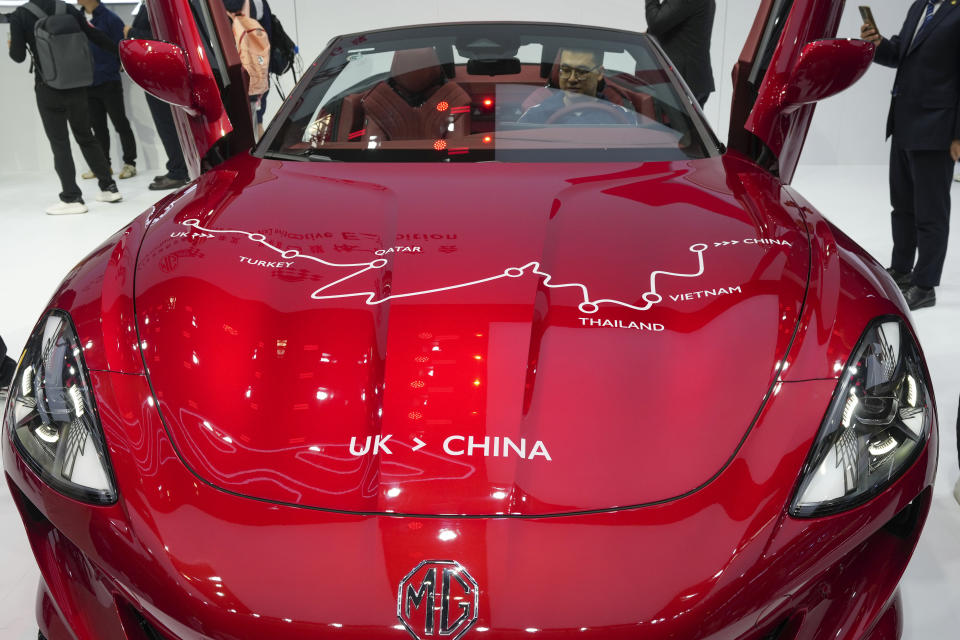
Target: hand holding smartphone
{"type": "Point", "coordinates": [869, 30]}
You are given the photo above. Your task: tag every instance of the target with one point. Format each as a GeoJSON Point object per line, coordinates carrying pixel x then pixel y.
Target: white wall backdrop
{"type": "Point", "coordinates": [848, 129]}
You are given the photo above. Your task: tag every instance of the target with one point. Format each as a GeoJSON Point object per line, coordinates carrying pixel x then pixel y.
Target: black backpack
{"type": "Point", "coordinates": [283, 50]}
{"type": "Point", "coordinates": [63, 57]}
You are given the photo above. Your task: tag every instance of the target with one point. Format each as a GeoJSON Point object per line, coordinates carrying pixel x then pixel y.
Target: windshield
{"type": "Point", "coordinates": [482, 92]}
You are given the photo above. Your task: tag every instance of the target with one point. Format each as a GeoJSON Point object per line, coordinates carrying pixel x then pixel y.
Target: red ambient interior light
{"type": "Point", "coordinates": [440, 145]}
{"type": "Point", "coordinates": [488, 102]}
{"type": "Point", "coordinates": [443, 106]}
{"type": "Point", "coordinates": [487, 139]}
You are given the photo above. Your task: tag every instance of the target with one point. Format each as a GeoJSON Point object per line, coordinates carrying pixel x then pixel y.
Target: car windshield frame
{"type": "Point", "coordinates": [459, 49]}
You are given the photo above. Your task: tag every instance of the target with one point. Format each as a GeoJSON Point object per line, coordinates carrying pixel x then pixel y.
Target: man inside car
{"type": "Point", "coordinates": [580, 99]}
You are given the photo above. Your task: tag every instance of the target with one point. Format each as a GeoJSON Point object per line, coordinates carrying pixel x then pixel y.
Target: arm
{"type": "Point", "coordinates": [93, 34]}
{"type": "Point", "coordinates": [888, 52]}
{"type": "Point", "coordinates": [115, 28]}
{"type": "Point", "coordinates": [664, 16]}
{"type": "Point", "coordinates": [140, 29]}
{"type": "Point", "coordinates": [266, 20]}
{"type": "Point", "coordinates": [18, 45]}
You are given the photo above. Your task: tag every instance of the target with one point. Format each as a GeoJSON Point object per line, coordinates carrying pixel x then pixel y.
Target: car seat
{"type": "Point", "coordinates": [417, 102]}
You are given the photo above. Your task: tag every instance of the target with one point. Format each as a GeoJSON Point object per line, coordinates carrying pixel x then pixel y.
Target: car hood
{"type": "Point", "coordinates": [468, 339]}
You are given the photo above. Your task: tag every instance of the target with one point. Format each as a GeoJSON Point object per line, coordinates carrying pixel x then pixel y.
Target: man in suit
{"type": "Point", "coordinates": [580, 79]}
{"type": "Point", "coordinates": [684, 28]}
{"type": "Point", "coordinates": [177, 173]}
{"type": "Point", "coordinates": [924, 121]}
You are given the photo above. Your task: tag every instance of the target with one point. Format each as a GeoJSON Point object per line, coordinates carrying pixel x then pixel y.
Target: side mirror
{"type": "Point", "coordinates": [161, 69]}
{"type": "Point", "coordinates": [825, 68]}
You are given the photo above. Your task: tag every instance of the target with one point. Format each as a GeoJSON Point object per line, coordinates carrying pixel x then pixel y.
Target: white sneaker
{"type": "Point", "coordinates": [90, 175]}
{"type": "Point", "coordinates": [66, 208]}
{"type": "Point", "coordinates": [109, 196]}
{"type": "Point", "coordinates": [128, 171]}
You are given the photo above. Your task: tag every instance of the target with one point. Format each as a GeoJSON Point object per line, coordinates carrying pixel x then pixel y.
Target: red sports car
{"type": "Point", "coordinates": [489, 336]}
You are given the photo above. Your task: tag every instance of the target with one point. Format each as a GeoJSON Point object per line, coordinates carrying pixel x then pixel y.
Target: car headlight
{"type": "Point", "coordinates": [52, 418]}
{"type": "Point", "coordinates": [876, 425]}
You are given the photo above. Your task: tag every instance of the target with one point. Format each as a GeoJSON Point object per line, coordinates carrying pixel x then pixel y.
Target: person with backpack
{"type": "Point", "coordinates": [105, 95]}
{"type": "Point", "coordinates": [63, 69]}
{"type": "Point", "coordinates": [252, 24]}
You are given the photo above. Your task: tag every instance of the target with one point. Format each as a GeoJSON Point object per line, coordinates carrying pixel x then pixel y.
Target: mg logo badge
{"type": "Point", "coordinates": [438, 598]}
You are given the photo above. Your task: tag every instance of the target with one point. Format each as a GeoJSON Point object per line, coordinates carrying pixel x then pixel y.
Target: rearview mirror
{"type": "Point", "coordinates": [497, 67]}
{"type": "Point", "coordinates": [825, 68]}
{"type": "Point", "coordinates": [161, 69]}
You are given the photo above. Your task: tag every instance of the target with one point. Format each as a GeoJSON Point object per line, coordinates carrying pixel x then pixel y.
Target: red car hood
{"type": "Point", "coordinates": [468, 339]}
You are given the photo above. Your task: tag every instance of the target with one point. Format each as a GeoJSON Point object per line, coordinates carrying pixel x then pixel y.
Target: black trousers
{"type": "Point", "coordinates": [58, 107]}
{"type": "Point", "coordinates": [167, 130]}
{"type": "Point", "coordinates": [920, 183]}
{"type": "Point", "coordinates": [107, 100]}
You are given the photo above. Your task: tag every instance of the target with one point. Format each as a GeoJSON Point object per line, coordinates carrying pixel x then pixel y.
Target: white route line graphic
{"type": "Point", "coordinates": [588, 306]}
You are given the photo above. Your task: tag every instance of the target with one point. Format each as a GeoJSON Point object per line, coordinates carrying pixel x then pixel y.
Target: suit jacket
{"type": "Point", "coordinates": [925, 105]}
{"type": "Point", "coordinates": [684, 29]}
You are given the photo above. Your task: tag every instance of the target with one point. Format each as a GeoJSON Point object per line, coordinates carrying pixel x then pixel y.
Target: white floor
{"type": "Point", "coordinates": [37, 250]}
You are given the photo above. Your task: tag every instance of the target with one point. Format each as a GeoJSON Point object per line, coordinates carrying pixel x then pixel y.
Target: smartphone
{"type": "Point", "coordinates": [867, 16]}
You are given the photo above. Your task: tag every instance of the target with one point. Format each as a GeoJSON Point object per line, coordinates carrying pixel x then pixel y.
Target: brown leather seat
{"type": "Point", "coordinates": [418, 103]}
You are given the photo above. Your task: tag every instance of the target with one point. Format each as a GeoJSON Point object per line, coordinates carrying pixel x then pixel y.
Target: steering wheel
{"type": "Point", "coordinates": [617, 115]}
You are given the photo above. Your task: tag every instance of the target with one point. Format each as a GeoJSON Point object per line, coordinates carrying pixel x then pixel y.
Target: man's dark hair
{"type": "Point", "coordinates": [596, 53]}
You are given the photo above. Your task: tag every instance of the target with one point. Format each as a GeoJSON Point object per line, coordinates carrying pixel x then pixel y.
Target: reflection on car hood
{"type": "Point", "coordinates": [469, 339]}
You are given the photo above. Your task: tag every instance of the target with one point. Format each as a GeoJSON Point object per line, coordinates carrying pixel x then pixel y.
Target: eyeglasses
{"type": "Point", "coordinates": [580, 72]}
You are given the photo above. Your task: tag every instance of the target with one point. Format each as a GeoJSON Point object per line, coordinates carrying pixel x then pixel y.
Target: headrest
{"type": "Point", "coordinates": [415, 70]}
{"type": "Point", "coordinates": [555, 72]}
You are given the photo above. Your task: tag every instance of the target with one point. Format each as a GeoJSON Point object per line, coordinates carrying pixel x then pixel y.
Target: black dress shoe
{"type": "Point", "coordinates": [920, 297]}
{"type": "Point", "coordinates": [163, 183]}
{"type": "Point", "coordinates": [903, 278]}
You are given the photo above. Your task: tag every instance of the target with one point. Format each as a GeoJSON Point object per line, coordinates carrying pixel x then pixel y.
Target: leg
{"type": "Point", "coordinates": [79, 117]}
{"type": "Point", "coordinates": [167, 130]}
{"type": "Point", "coordinates": [260, 112]}
{"type": "Point", "coordinates": [7, 366]}
{"type": "Point", "coordinates": [933, 175]}
{"type": "Point", "coordinates": [113, 100]}
{"type": "Point", "coordinates": [53, 114]}
{"type": "Point", "coordinates": [703, 99]}
{"type": "Point", "coordinates": [98, 118]}
{"type": "Point", "coordinates": [902, 217]}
